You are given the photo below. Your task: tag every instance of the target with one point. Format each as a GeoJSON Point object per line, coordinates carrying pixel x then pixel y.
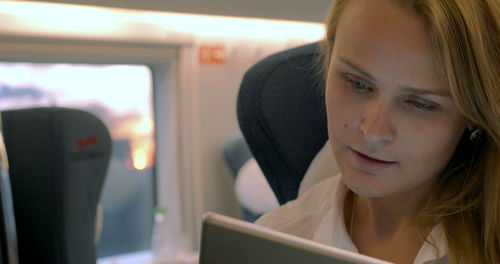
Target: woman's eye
{"type": "Point", "coordinates": [421, 105]}
{"type": "Point", "coordinates": [357, 83]}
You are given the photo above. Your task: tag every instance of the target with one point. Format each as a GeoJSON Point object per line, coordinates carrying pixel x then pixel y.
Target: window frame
{"type": "Point", "coordinates": [169, 78]}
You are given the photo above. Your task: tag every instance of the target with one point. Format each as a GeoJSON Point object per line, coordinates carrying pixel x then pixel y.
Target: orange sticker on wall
{"type": "Point", "coordinates": [213, 54]}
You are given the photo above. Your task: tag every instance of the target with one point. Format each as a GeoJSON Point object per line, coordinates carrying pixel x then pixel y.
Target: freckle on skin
{"type": "Point", "coordinates": [345, 125]}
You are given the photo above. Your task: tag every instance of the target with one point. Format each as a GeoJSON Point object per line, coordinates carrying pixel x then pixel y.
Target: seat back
{"type": "Point", "coordinates": [8, 231]}
{"type": "Point", "coordinates": [281, 113]}
{"type": "Point", "coordinates": [58, 160]}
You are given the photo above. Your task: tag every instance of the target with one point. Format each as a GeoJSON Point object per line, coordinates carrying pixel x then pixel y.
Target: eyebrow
{"type": "Point", "coordinates": [355, 67]}
{"type": "Point", "coordinates": [414, 90]}
{"type": "Point", "coordinates": [421, 91]}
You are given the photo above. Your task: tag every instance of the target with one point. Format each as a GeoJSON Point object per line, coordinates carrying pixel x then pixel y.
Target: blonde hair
{"type": "Point", "coordinates": [466, 198]}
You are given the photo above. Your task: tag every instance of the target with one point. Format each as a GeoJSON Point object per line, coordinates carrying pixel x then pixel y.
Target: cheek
{"type": "Point", "coordinates": [341, 112]}
{"type": "Point", "coordinates": [429, 150]}
{"type": "Point", "coordinates": [334, 115]}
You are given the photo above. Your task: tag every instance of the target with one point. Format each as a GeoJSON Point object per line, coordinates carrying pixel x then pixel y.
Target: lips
{"type": "Point", "coordinates": [370, 163]}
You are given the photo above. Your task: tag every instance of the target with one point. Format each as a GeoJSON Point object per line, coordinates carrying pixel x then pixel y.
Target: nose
{"type": "Point", "coordinates": [376, 125]}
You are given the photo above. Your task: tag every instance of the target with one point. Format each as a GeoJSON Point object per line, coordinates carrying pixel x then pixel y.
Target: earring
{"type": "Point", "coordinates": [475, 134]}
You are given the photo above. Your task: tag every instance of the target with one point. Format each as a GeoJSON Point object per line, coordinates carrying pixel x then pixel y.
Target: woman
{"type": "Point", "coordinates": [413, 103]}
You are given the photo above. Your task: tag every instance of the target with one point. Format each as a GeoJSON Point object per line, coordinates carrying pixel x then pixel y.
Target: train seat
{"type": "Point", "coordinates": [57, 160]}
{"type": "Point", "coordinates": [282, 115]}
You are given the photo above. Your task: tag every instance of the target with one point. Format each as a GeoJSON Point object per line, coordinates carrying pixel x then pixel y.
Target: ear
{"type": "Point", "coordinates": [471, 126]}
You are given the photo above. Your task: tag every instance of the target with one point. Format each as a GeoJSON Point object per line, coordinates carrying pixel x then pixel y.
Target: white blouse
{"type": "Point", "coordinates": [318, 215]}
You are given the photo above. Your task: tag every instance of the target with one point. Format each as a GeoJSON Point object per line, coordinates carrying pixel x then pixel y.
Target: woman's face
{"type": "Point", "coordinates": [392, 123]}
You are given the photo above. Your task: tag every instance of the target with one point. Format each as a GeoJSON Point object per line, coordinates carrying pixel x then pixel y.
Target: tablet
{"type": "Point", "coordinates": [226, 240]}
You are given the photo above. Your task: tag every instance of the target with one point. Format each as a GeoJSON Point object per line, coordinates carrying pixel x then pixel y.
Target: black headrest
{"type": "Point", "coordinates": [58, 160]}
{"type": "Point", "coordinates": [282, 115]}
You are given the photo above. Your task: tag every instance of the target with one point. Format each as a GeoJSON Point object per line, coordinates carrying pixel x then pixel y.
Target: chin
{"type": "Point", "coordinates": [366, 185]}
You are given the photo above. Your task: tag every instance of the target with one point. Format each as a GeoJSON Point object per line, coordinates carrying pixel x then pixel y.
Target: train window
{"type": "Point", "coordinates": [121, 96]}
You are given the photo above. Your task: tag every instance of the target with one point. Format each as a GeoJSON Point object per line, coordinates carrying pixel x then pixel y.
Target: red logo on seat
{"type": "Point", "coordinates": [85, 142]}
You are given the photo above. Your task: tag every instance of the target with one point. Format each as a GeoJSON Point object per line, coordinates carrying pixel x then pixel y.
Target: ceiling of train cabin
{"type": "Point", "coordinates": [302, 10]}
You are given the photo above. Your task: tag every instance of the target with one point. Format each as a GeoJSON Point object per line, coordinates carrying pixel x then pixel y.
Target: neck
{"type": "Point", "coordinates": [387, 216]}
{"type": "Point", "coordinates": [387, 229]}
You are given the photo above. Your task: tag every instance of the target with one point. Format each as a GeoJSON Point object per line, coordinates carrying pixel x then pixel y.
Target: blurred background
{"type": "Point", "coordinates": [163, 76]}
